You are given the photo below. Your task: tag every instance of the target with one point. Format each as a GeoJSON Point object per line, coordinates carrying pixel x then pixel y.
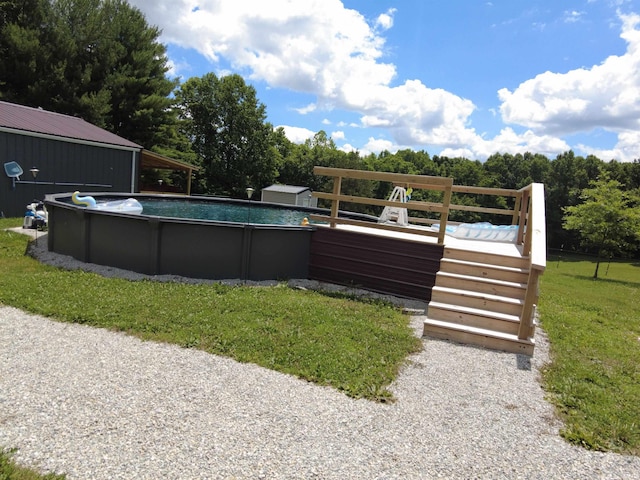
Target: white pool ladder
{"type": "Point", "coordinates": [396, 215]}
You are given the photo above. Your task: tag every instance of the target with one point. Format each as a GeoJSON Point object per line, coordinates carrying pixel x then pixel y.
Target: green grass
{"type": "Point", "coordinates": [594, 331]}
{"type": "Point", "coordinates": [354, 346]}
{"type": "Point", "coordinates": [10, 471]}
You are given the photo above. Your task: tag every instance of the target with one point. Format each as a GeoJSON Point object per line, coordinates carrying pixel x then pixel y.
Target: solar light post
{"type": "Point", "coordinates": [249, 191]}
{"type": "Point", "coordinates": [34, 172]}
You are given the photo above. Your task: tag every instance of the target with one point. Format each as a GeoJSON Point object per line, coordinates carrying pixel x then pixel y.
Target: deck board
{"type": "Point", "coordinates": [501, 248]}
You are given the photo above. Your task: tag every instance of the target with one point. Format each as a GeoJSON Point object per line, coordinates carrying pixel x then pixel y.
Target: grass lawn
{"type": "Point", "coordinates": [10, 471]}
{"type": "Point", "coordinates": [354, 346]}
{"type": "Point", "coordinates": [358, 347]}
{"type": "Point", "coordinates": [594, 330]}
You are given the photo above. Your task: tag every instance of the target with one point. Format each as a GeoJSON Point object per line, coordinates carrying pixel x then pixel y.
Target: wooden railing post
{"type": "Point", "coordinates": [524, 213]}
{"type": "Point", "coordinates": [444, 216]}
{"type": "Point", "coordinates": [530, 300]}
{"type": "Point", "coordinates": [516, 209]}
{"type": "Point", "coordinates": [335, 203]}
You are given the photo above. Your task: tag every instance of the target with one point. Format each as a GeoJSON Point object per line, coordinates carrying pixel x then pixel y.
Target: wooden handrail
{"type": "Point", "coordinates": [532, 219]}
{"type": "Point", "coordinates": [443, 184]}
{"type": "Point", "coordinates": [500, 192]}
{"type": "Point", "coordinates": [434, 183]}
{"type": "Point", "coordinates": [536, 228]}
{"type": "Point", "coordinates": [422, 206]}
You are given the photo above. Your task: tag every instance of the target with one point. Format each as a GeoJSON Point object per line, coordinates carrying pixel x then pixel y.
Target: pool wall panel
{"type": "Point", "coordinates": [201, 251]}
{"type": "Point", "coordinates": [279, 254]}
{"type": "Point", "coordinates": [121, 242]}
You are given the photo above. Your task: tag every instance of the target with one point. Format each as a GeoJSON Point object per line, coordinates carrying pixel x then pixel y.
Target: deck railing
{"type": "Point", "coordinates": [528, 212]}
{"type": "Point", "coordinates": [417, 181]}
{"type": "Point", "coordinates": [532, 235]}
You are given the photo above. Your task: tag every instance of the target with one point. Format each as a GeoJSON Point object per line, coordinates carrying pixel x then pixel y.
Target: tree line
{"type": "Point", "coordinates": [101, 60]}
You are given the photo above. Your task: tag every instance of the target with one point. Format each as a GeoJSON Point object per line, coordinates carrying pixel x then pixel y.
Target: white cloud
{"type": "Point", "coordinates": [625, 150]}
{"type": "Point", "coordinates": [385, 20]}
{"type": "Point", "coordinates": [377, 145]}
{"type": "Point", "coordinates": [321, 48]}
{"type": "Point", "coordinates": [307, 109]}
{"type": "Point", "coordinates": [317, 47]}
{"type": "Point", "coordinates": [572, 16]}
{"type": "Point", "coordinates": [337, 135]}
{"type": "Point", "coordinates": [348, 148]}
{"type": "Point", "coordinates": [605, 95]}
{"type": "Point", "coordinates": [297, 134]}
{"type": "Point", "coordinates": [508, 141]}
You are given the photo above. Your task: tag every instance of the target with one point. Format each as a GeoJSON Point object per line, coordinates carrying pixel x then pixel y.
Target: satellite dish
{"type": "Point", "coordinates": [13, 171]}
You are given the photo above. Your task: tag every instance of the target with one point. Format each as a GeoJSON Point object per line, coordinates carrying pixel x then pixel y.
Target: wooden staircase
{"type": "Point", "coordinates": [478, 299]}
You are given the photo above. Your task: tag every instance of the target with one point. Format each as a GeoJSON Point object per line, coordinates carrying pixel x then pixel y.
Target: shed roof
{"type": "Point", "coordinates": [155, 160]}
{"type": "Point", "coordinates": [30, 120]}
{"type": "Point", "coordinates": [285, 189]}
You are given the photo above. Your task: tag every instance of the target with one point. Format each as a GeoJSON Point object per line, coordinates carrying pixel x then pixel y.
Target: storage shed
{"type": "Point", "coordinates": [289, 195]}
{"type": "Point", "coordinates": [66, 154]}
{"type": "Point", "coordinates": [59, 153]}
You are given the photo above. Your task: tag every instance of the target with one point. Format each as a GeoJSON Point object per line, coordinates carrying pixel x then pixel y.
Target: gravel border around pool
{"type": "Point", "coordinates": [102, 405]}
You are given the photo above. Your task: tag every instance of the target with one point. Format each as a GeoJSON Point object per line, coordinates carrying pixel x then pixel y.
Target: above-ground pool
{"type": "Point", "coordinates": [224, 211]}
{"type": "Point", "coordinates": [229, 239]}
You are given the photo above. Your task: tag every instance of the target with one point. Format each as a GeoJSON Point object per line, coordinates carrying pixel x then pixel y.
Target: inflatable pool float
{"type": "Point", "coordinates": [482, 231]}
{"type": "Point", "coordinates": [129, 205]}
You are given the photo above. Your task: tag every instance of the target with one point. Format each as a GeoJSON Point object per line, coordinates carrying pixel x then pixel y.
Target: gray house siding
{"type": "Point", "coordinates": [64, 165]}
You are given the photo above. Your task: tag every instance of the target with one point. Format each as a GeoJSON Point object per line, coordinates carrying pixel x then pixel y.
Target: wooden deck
{"type": "Point", "coordinates": [479, 290]}
{"type": "Point", "coordinates": [483, 292]}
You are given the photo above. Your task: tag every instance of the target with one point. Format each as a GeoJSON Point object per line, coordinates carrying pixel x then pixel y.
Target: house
{"type": "Point", "coordinates": [289, 195]}
{"type": "Point", "coordinates": [60, 153]}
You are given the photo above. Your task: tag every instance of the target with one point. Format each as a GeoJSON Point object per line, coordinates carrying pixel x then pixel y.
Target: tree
{"type": "Point", "coordinates": [567, 177]}
{"type": "Point", "coordinates": [96, 59]}
{"type": "Point", "coordinates": [25, 36]}
{"type": "Point", "coordinates": [608, 219]}
{"type": "Point", "coordinates": [226, 125]}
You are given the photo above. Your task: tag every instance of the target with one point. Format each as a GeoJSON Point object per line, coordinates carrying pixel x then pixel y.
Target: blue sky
{"type": "Point", "coordinates": [459, 78]}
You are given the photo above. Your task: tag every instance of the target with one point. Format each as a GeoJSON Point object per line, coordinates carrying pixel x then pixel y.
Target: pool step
{"type": "Point", "coordinates": [477, 299]}
{"type": "Point", "coordinates": [479, 336]}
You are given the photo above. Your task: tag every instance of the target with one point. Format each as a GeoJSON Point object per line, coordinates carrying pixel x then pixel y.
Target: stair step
{"type": "Point", "coordinates": [474, 317]}
{"type": "Point", "coordinates": [482, 270]}
{"type": "Point", "coordinates": [485, 257]}
{"type": "Point", "coordinates": [483, 285]}
{"type": "Point", "coordinates": [477, 336]}
{"type": "Point", "coordinates": [477, 300]}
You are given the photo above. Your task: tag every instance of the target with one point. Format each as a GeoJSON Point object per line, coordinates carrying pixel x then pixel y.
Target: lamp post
{"type": "Point", "coordinates": [34, 172]}
{"type": "Point", "coordinates": [249, 191]}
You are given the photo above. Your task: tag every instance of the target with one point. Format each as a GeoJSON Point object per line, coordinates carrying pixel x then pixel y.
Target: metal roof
{"type": "Point", "coordinates": [285, 189]}
{"type": "Point", "coordinates": [155, 160]}
{"type": "Point", "coordinates": [36, 121]}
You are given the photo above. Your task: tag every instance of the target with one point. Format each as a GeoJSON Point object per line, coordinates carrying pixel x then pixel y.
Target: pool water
{"type": "Point", "coordinates": [223, 211]}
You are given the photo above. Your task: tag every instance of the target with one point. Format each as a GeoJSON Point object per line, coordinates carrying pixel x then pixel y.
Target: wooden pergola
{"type": "Point", "coordinates": [151, 159]}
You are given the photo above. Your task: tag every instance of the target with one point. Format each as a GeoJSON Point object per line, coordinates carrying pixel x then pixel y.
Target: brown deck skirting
{"type": "Point", "coordinates": [381, 264]}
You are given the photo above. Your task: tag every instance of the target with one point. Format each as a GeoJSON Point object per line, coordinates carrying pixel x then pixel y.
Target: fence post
{"type": "Point", "coordinates": [444, 215]}
{"type": "Point", "coordinates": [523, 223]}
{"type": "Point", "coordinates": [335, 203]}
{"type": "Point", "coordinates": [531, 298]}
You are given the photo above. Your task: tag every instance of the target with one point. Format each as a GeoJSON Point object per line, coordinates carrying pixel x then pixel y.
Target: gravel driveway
{"type": "Point", "coordinates": [101, 405]}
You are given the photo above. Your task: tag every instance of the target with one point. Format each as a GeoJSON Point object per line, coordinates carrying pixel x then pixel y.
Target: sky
{"type": "Point", "coordinates": [458, 78]}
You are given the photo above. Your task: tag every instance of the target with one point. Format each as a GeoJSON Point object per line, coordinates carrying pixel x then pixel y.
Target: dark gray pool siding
{"type": "Point", "coordinates": [216, 250]}
{"type": "Point", "coordinates": [196, 249]}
